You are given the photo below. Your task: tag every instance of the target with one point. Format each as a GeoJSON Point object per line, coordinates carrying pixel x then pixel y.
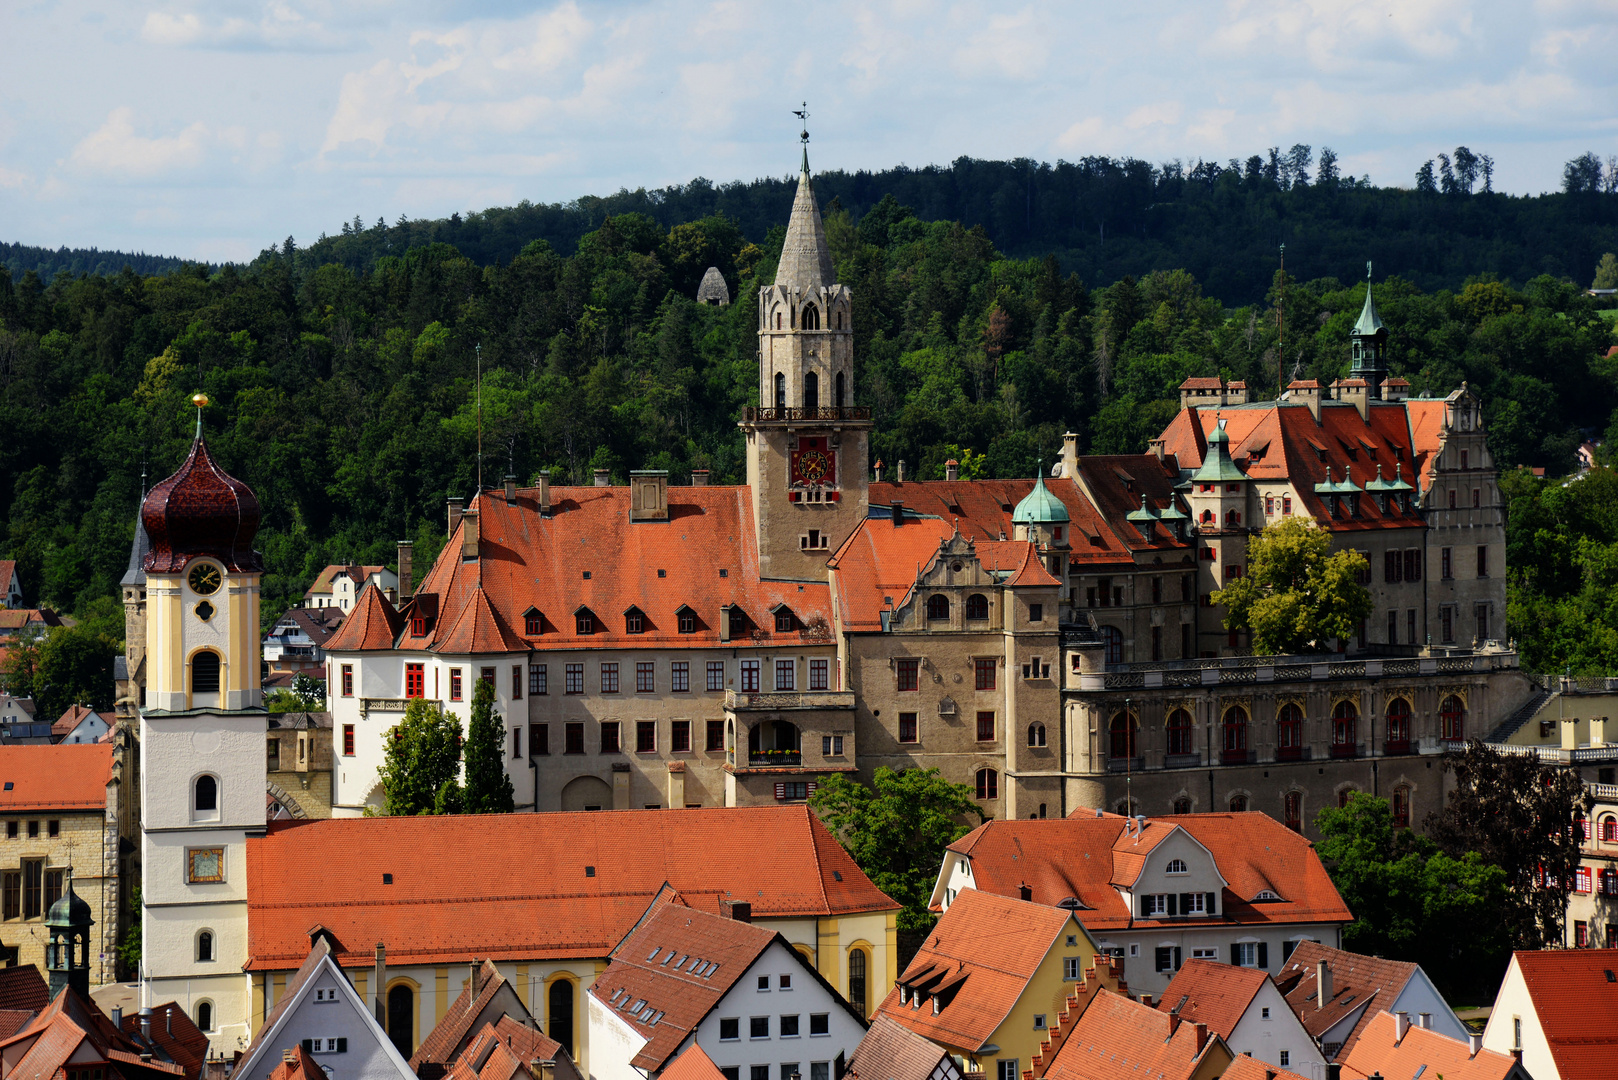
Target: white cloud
{"type": "Point", "coordinates": [278, 26]}
{"type": "Point", "coordinates": [114, 149]}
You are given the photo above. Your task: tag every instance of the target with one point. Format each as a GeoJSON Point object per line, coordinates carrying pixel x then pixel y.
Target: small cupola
{"type": "Point", "coordinates": [67, 955]}
{"type": "Point", "coordinates": [1040, 514]}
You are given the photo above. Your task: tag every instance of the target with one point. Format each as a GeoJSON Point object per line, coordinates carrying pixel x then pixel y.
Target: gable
{"type": "Point", "coordinates": [323, 1006]}
{"type": "Point", "coordinates": [1179, 864]}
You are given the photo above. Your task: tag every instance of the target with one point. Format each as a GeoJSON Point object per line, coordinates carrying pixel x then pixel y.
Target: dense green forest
{"type": "Point", "coordinates": [342, 384]}
{"type": "Point", "coordinates": [21, 258]}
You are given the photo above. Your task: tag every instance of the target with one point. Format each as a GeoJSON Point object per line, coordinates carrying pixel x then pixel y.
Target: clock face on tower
{"type": "Point", "coordinates": [814, 464]}
{"type": "Point", "coordinates": [204, 579]}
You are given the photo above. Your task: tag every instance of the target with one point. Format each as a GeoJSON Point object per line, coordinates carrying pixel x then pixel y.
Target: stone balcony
{"type": "Point", "coordinates": [789, 701]}
{"type": "Point", "coordinates": [1248, 670]}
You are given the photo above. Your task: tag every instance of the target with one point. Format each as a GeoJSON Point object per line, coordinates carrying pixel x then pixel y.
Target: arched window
{"type": "Point", "coordinates": [402, 1019]}
{"type": "Point", "coordinates": [780, 390]}
{"type": "Point", "coordinates": [205, 1016]}
{"type": "Point", "coordinates": [811, 390]}
{"type": "Point", "coordinates": [205, 946]}
{"type": "Point", "coordinates": [1293, 804]}
{"type": "Point", "coordinates": [1398, 726]}
{"type": "Point", "coordinates": [810, 319]}
{"type": "Point", "coordinates": [1289, 728]}
{"type": "Point", "coordinates": [1452, 718]}
{"type": "Point", "coordinates": [1235, 733]}
{"type": "Point", "coordinates": [1180, 732]}
{"type": "Point", "coordinates": [937, 607]}
{"type": "Point", "coordinates": [977, 606]}
{"type": "Point", "coordinates": [1036, 734]}
{"type": "Point", "coordinates": [858, 980]}
{"type": "Point", "coordinates": [1233, 519]}
{"type": "Point", "coordinates": [988, 784]}
{"type": "Point", "coordinates": [1344, 795]}
{"type": "Point", "coordinates": [1401, 807]}
{"type": "Point", "coordinates": [1182, 805]}
{"type": "Point", "coordinates": [1345, 726]}
{"type": "Point", "coordinates": [1122, 732]}
{"type": "Point", "coordinates": [841, 384]}
{"type": "Point", "coordinates": [205, 673]}
{"type": "Point", "coordinates": [1114, 639]}
{"type": "Point", "coordinates": [1238, 803]}
{"type": "Point", "coordinates": [560, 999]}
{"type": "Point", "coordinates": [1207, 517]}
{"type": "Point", "coordinates": [839, 320]}
{"type": "Point", "coordinates": [1609, 830]}
{"type": "Point", "coordinates": [206, 800]}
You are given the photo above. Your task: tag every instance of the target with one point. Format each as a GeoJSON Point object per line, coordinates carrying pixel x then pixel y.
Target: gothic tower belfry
{"type": "Point", "coordinates": [1369, 344]}
{"type": "Point", "coordinates": [807, 441]}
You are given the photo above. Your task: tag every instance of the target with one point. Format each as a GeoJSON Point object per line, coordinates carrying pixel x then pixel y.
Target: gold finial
{"type": "Point", "coordinates": [200, 400]}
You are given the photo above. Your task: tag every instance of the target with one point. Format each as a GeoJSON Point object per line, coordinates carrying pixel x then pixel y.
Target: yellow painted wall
{"type": "Point", "coordinates": [1045, 993]}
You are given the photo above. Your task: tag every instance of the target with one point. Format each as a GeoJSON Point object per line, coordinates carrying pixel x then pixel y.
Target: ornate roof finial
{"type": "Point", "coordinates": [803, 117]}
{"type": "Point", "coordinates": [200, 400]}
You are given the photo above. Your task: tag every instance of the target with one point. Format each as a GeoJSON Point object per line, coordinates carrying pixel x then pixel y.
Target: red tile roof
{"type": "Point", "coordinates": [1247, 1067]}
{"type": "Point", "coordinates": [671, 971]}
{"type": "Point", "coordinates": [175, 1035]}
{"type": "Point", "coordinates": [1117, 1037]}
{"type": "Point", "coordinates": [1366, 985]}
{"type": "Point", "coordinates": [1428, 1053]}
{"type": "Point", "coordinates": [506, 1050]}
{"type": "Point", "coordinates": [891, 1051]}
{"type": "Point", "coordinates": [70, 719]}
{"type": "Point", "coordinates": [298, 1064]}
{"type": "Point", "coordinates": [1253, 852]}
{"type": "Point", "coordinates": [67, 776]}
{"type": "Point", "coordinates": [356, 574]}
{"type": "Point", "coordinates": [56, 1034]}
{"type": "Point", "coordinates": [1117, 484]}
{"type": "Point", "coordinates": [445, 1042]}
{"type": "Point", "coordinates": [14, 619]}
{"type": "Point", "coordinates": [374, 625]}
{"type": "Point", "coordinates": [1031, 572]}
{"type": "Point", "coordinates": [13, 1021]}
{"type": "Point", "coordinates": [978, 959]}
{"type": "Point", "coordinates": [1577, 1006]}
{"type": "Point", "coordinates": [693, 1064]}
{"type": "Point", "coordinates": [23, 987]}
{"type": "Point", "coordinates": [8, 570]}
{"type": "Point", "coordinates": [479, 629]}
{"type": "Point", "coordinates": [427, 915]}
{"type": "Point", "coordinates": [1213, 994]}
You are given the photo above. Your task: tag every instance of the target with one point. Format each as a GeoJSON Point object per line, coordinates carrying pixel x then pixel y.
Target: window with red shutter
{"type": "Point", "coordinates": [415, 681]}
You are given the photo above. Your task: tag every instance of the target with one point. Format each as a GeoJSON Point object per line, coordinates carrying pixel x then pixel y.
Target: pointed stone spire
{"type": "Point", "coordinates": [805, 257]}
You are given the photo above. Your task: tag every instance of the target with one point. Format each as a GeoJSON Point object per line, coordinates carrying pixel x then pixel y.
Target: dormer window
{"type": "Point", "coordinates": [785, 621]}
{"type": "Point", "coordinates": [418, 625]}
{"type": "Point", "coordinates": [584, 621]}
{"type": "Point", "coordinates": [634, 621]}
{"type": "Point", "coordinates": [533, 623]}
{"type": "Point", "coordinates": [688, 620]}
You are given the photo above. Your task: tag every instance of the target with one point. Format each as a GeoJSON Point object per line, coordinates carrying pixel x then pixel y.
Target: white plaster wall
{"type": "Point", "coordinates": [1421, 996]}
{"type": "Point", "coordinates": [1201, 874]}
{"type": "Point", "coordinates": [806, 996]}
{"type": "Point", "coordinates": [231, 1006]}
{"type": "Point", "coordinates": [1266, 1037]}
{"type": "Point", "coordinates": [1138, 969]}
{"type": "Point", "coordinates": [613, 1042]}
{"type": "Point", "coordinates": [365, 1058]}
{"type": "Point", "coordinates": [1513, 1001]}
{"type": "Point", "coordinates": [176, 750]}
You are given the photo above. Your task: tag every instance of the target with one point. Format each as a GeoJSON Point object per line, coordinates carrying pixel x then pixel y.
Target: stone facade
{"type": "Point", "coordinates": [298, 763]}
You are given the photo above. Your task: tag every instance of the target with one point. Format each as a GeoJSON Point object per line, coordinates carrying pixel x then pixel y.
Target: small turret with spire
{"type": "Point", "coordinates": [1369, 344]}
{"type": "Point", "coordinates": [67, 955]}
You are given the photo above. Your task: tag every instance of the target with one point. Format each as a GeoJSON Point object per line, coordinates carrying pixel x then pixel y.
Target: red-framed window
{"type": "Point", "coordinates": [680, 677]}
{"type": "Point", "coordinates": [486, 674]}
{"type": "Point", "coordinates": [908, 673]}
{"type": "Point", "coordinates": [1289, 726]}
{"type": "Point", "coordinates": [455, 684]}
{"type": "Point", "coordinates": [750, 676]}
{"type": "Point", "coordinates": [1581, 934]}
{"type": "Point", "coordinates": [819, 674]}
{"type": "Point", "coordinates": [1122, 736]}
{"type": "Point", "coordinates": [1398, 721]}
{"type": "Point", "coordinates": [1581, 880]}
{"type": "Point", "coordinates": [715, 737]}
{"type": "Point", "coordinates": [1236, 729]}
{"type": "Point", "coordinates": [1452, 718]}
{"type": "Point", "coordinates": [988, 784]}
{"type": "Point", "coordinates": [1345, 724]}
{"type": "Point", "coordinates": [573, 737]}
{"type": "Point", "coordinates": [716, 675]}
{"type": "Point", "coordinates": [984, 668]}
{"type": "Point", "coordinates": [415, 681]}
{"type": "Point", "coordinates": [645, 676]}
{"type": "Point", "coordinates": [786, 675]}
{"type": "Point", "coordinates": [532, 624]}
{"type": "Point", "coordinates": [348, 680]}
{"type": "Point", "coordinates": [907, 727]}
{"type": "Point", "coordinates": [610, 741]}
{"type": "Point", "coordinates": [1294, 810]}
{"type": "Point", "coordinates": [985, 727]}
{"type": "Point", "coordinates": [348, 740]}
{"type": "Point", "coordinates": [1401, 808]}
{"type": "Point", "coordinates": [516, 682]}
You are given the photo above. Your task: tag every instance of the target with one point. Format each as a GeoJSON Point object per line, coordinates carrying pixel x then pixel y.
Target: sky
{"type": "Point", "coordinates": [212, 130]}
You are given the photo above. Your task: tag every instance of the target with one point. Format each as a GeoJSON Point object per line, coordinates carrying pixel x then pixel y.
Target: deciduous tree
{"type": "Point", "coordinates": [421, 762]}
{"type": "Point", "coordinates": [1296, 596]}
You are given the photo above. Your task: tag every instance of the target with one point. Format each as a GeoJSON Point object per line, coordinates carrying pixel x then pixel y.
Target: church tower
{"type": "Point", "coordinates": [202, 742]}
{"type": "Point", "coordinates": [807, 442]}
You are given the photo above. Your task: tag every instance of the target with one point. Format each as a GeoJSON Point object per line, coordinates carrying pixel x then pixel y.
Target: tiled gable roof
{"type": "Point", "coordinates": [1131, 846]}
{"type": "Point", "coordinates": [878, 564]}
{"type": "Point", "coordinates": [1427, 1053]}
{"type": "Point", "coordinates": [672, 971]}
{"type": "Point", "coordinates": [1212, 993]}
{"type": "Point", "coordinates": [23, 987]}
{"type": "Point", "coordinates": [55, 1034]}
{"type": "Point", "coordinates": [982, 510]}
{"type": "Point", "coordinates": [479, 629]}
{"type": "Point", "coordinates": [298, 1064]}
{"type": "Point", "coordinates": [1363, 985]}
{"type": "Point", "coordinates": [1031, 572]}
{"type": "Point", "coordinates": [67, 776]}
{"type": "Point", "coordinates": [175, 1035]}
{"type": "Point", "coordinates": [318, 951]}
{"type": "Point", "coordinates": [71, 719]}
{"type": "Point", "coordinates": [1118, 1037]}
{"type": "Point", "coordinates": [981, 954]}
{"type": "Point", "coordinates": [1251, 851]}
{"type": "Point", "coordinates": [443, 1044]}
{"type": "Point", "coordinates": [693, 1064]}
{"type": "Point", "coordinates": [13, 1021]}
{"type": "Point", "coordinates": [426, 915]}
{"type": "Point", "coordinates": [374, 625]}
{"type": "Point", "coordinates": [1248, 1067]}
{"type": "Point", "coordinates": [891, 1051]}
{"type": "Point", "coordinates": [1576, 1004]}
{"type": "Point", "coordinates": [14, 619]}
{"type": "Point", "coordinates": [8, 570]}
{"type": "Point", "coordinates": [1118, 482]}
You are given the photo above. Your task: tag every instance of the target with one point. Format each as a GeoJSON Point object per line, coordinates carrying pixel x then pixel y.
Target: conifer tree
{"type": "Point", "coordinates": [488, 788]}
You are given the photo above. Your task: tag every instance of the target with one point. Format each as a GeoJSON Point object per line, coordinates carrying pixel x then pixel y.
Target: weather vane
{"type": "Point", "coordinates": [803, 115]}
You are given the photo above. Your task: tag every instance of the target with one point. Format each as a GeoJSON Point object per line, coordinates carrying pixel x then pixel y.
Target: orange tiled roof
{"type": "Point", "coordinates": [1031, 572]}
{"type": "Point", "coordinates": [13, 619]}
{"type": "Point", "coordinates": [1360, 984]}
{"type": "Point", "coordinates": [1117, 483]}
{"type": "Point", "coordinates": [891, 1051]}
{"type": "Point", "coordinates": [1118, 1037]}
{"type": "Point", "coordinates": [693, 1064]}
{"type": "Point", "coordinates": [878, 564]}
{"type": "Point", "coordinates": [23, 987]}
{"type": "Point", "coordinates": [70, 719]}
{"type": "Point", "coordinates": [443, 1044]}
{"type": "Point", "coordinates": [426, 915]}
{"type": "Point", "coordinates": [480, 629]}
{"type": "Point", "coordinates": [1214, 994]}
{"type": "Point", "coordinates": [356, 574]}
{"type": "Point", "coordinates": [374, 625]}
{"type": "Point", "coordinates": [985, 949]}
{"type": "Point", "coordinates": [67, 776]}
{"type": "Point", "coordinates": [1247, 1067]}
{"type": "Point", "coordinates": [1253, 851]}
{"type": "Point", "coordinates": [8, 570]}
{"type": "Point", "coordinates": [174, 1033]}
{"type": "Point", "coordinates": [1576, 1006]}
{"type": "Point", "coordinates": [298, 1064]}
{"type": "Point", "coordinates": [982, 509]}
{"type": "Point", "coordinates": [1428, 1053]}
{"type": "Point", "coordinates": [1426, 426]}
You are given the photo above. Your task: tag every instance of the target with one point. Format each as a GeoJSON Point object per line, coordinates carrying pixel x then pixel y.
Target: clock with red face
{"type": "Point", "coordinates": [813, 463]}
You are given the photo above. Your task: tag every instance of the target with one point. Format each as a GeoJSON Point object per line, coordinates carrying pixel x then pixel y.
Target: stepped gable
{"type": "Point", "coordinates": [1361, 984]}
{"type": "Point", "coordinates": [426, 915]}
{"type": "Point", "coordinates": [373, 625]}
{"type": "Point", "coordinates": [201, 510]}
{"type": "Point", "coordinates": [1214, 994]}
{"type": "Point", "coordinates": [1253, 852]}
{"type": "Point", "coordinates": [805, 264]}
{"type": "Point", "coordinates": [978, 958]}
{"type": "Point", "coordinates": [1115, 1030]}
{"type": "Point", "coordinates": [588, 556]}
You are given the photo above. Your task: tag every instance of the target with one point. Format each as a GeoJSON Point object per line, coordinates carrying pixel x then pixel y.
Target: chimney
{"type": "Point", "coordinates": [649, 495]}
{"type": "Point", "coordinates": [470, 534]}
{"type": "Point", "coordinates": [878, 469]}
{"type": "Point", "coordinates": [1174, 1015]}
{"type": "Point", "coordinates": [1570, 733]}
{"type": "Point", "coordinates": [603, 478]}
{"type": "Point", "coordinates": [472, 982]}
{"type": "Point", "coordinates": [1024, 892]}
{"type": "Point", "coordinates": [1323, 984]}
{"type": "Point", "coordinates": [456, 503]}
{"type": "Point", "coordinates": [406, 586]}
{"type": "Point", "coordinates": [1156, 446]}
{"type": "Point", "coordinates": [952, 469]}
{"type": "Point", "coordinates": [146, 1023]}
{"type": "Point", "coordinates": [392, 594]}
{"type": "Point", "coordinates": [1146, 1000]}
{"type": "Point", "coordinates": [543, 482]}
{"type": "Point", "coordinates": [699, 477]}
{"type": "Point", "coordinates": [1070, 455]}
{"type": "Point", "coordinates": [380, 986]}
{"type": "Point", "coordinates": [1236, 393]}
{"type": "Point", "coordinates": [901, 473]}
{"type": "Point", "coordinates": [1475, 1043]}
{"type": "Point", "coordinates": [118, 1017]}
{"type": "Point", "coordinates": [1426, 1021]}
{"type": "Point", "coordinates": [1202, 1036]}
{"type": "Point", "coordinates": [1401, 1024]}
{"type": "Point", "coordinates": [547, 1070]}
{"type": "Point", "coordinates": [1598, 731]}
{"type": "Point", "coordinates": [511, 490]}
{"type": "Point", "coordinates": [289, 1056]}
{"type": "Point", "coordinates": [897, 509]}
{"type": "Point", "coordinates": [741, 911]}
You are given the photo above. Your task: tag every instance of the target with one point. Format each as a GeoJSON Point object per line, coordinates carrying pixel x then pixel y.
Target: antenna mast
{"type": "Point", "coordinates": [478, 348]}
{"type": "Point", "coordinates": [1280, 330]}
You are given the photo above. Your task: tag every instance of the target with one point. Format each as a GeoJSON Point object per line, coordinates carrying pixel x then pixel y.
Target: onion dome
{"type": "Point", "coordinates": [71, 910]}
{"type": "Point", "coordinates": [201, 510]}
{"type": "Point", "coordinates": [1217, 464]}
{"type": "Point", "coordinates": [1039, 507]}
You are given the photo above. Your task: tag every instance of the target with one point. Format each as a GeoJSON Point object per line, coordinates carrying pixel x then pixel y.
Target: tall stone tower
{"type": "Point", "coordinates": [202, 743]}
{"type": "Point", "coordinates": [807, 441]}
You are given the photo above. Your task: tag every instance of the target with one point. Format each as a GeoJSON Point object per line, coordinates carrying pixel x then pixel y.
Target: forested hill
{"type": "Point", "coordinates": [1104, 218]}
{"type": "Point", "coordinates": [21, 258]}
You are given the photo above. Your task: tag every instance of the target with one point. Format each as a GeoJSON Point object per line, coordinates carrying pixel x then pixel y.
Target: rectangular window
{"type": "Point", "coordinates": [1410, 626]}
{"type": "Point", "coordinates": [1036, 612]}
{"type": "Point", "coordinates": [516, 742]}
{"type": "Point", "coordinates": [1090, 596]}
{"type": "Point", "coordinates": [455, 684]}
{"type": "Point", "coordinates": [1581, 934]}
{"type": "Point", "coordinates": [1157, 643]}
{"type": "Point", "coordinates": [645, 676]}
{"type": "Point", "coordinates": [1446, 565]}
{"type": "Point", "coordinates": [609, 737]}
{"type": "Point", "coordinates": [1164, 957]}
{"type": "Point", "coordinates": [537, 683]}
{"type": "Point", "coordinates": [1154, 904]}
{"type": "Point", "coordinates": [1483, 622]}
{"type": "Point", "coordinates": [348, 680]}
{"type": "Point", "coordinates": [750, 676]}
{"type": "Point", "coordinates": [1006, 1069]}
{"type": "Point", "coordinates": [1581, 880]}
{"type": "Point", "coordinates": [646, 736]}
{"type": "Point", "coordinates": [985, 727]}
{"type": "Point", "coordinates": [1393, 628]}
{"type": "Point", "coordinates": [573, 738]}
{"type": "Point", "coordinates": [819, 1024]}
{"type": "Point", "coordinates": [1269, 504]}
{"type": "Point", "coordinates": [1447, 623]}
{"type": "Point", "coordinates": [830, 746]}
{"type": "Point", "coordinates": [415, 681]}
{"type": "Point", "coordinates": [730, 1027]}
{"type": "Point", "coordinates": [1483, 561]}
{"type": "Point", "coordinates": [758, 1027]}
{"type": "Point", "coordinates": [11, 894]}
{"type": "Point", "coordinates": [907, 727]}
{"type": "Point", "coordinates": [486, 674]}
{"type": "Point", "coordinates": [984, 669]}
{"type": "Point", "coordinates": [908, 674]}
{"type": "Point", "coordinates": [680, 677]}
{"type": "Point", "coordinates": [1071, 967]}
{"type": "Point", "coordinates": [1475, 499]}
{"type": "Point", "coordinates": [759, 1072]}
{"type": "Point", "coordinates": [1392, 567]}
{"type": "Point", "coordinates": [539, 740]}
{"type": "Point", "coordinates": [516, 682]}
{"type": "Point", "coordinates": [820, 674]}
{"type": "Point", "coordinates": [574, 676]}
{"type": "Point", "coordinates": [348, 740]}
{"type": "Point", "coordinates": [789, 1028]}
{"type": "Point", "coordinates": [1286, 505]}
{"type": "Point", "coordinates": [716, 675]}
{"type": "Point", "coordinates": [1413, 564]}
{"type": "Point", "coordinates": [820, 1070]}
{"type": "Point", "coordinates": [716, 736]}
{"type": "Point", "coordinates": [680, 737]}
{"type": "Point", "coordinates": [609, 678]}
{"type": "Point", "coordinates": [786, 675]}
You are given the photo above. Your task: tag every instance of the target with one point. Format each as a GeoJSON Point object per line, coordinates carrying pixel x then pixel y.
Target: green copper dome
{"type": "Point", "coordinates": [1040, 507]}
{"type": "Point", "coordinates": [70, 910]}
